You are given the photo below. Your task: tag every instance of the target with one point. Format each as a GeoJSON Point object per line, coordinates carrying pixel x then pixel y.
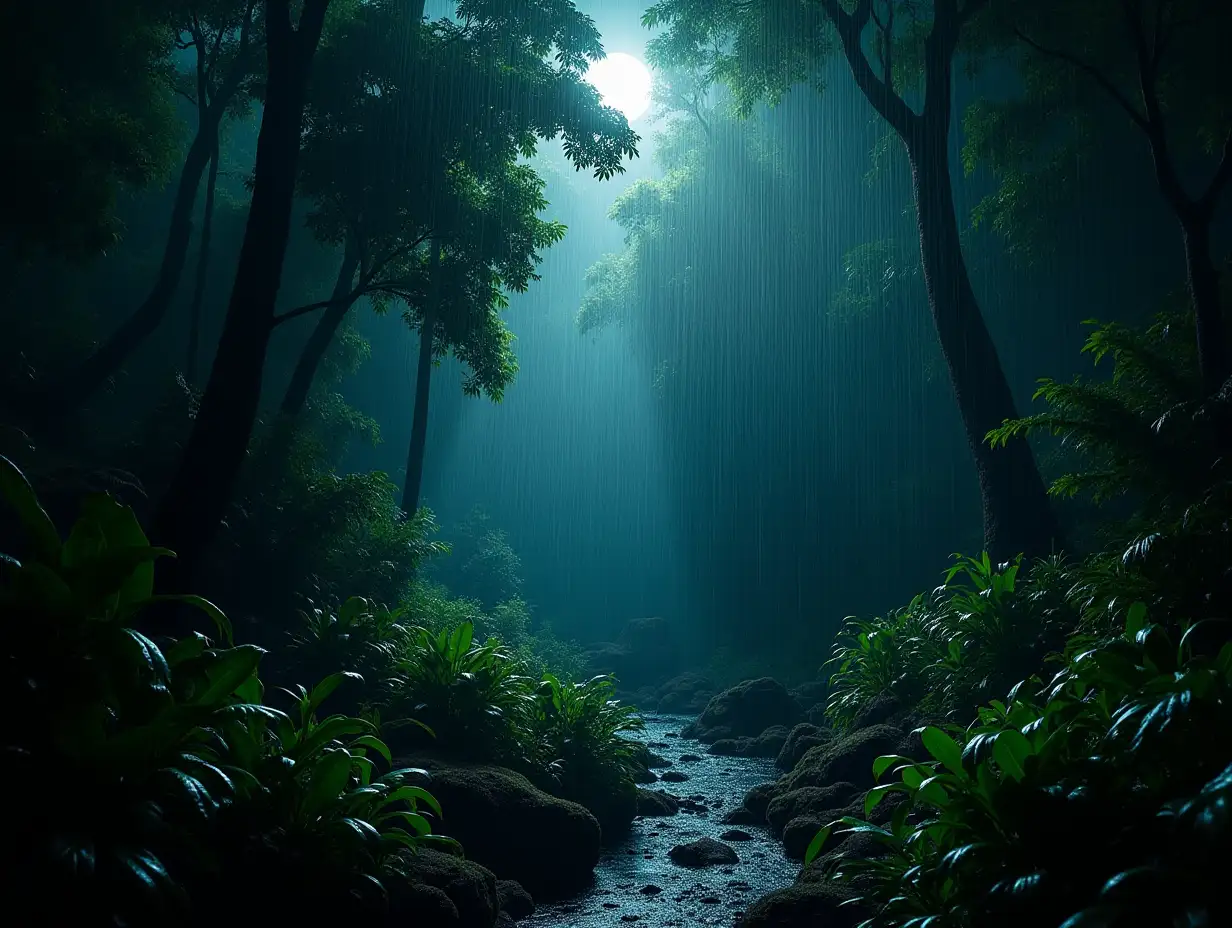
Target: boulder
{"type": "Point", "coordinates": [811, 694]}
{"type": "Point", "coordinates": [817, 801]}
{"type": "Point", "coordinates": [848, 758]}
{"type": "Point", "coordinates": [881, 709]}
{"type": "Point", "coordinates": [768, 744]}
{"type": "Point", "coordinates": [746, 710]}
{"type": "Point", "coordinates": [655, 803]}
{"type": "Point", "coordinates": [515, 901]}
{"type": "Point", "coordinates": [470, 889]}
{"type": "Point", "coordinates": [644, 653]}
{"type": "Point", "coordinates": [420, 904]}
{"type": "Point", "coordinates": [799, 740]}
{"type": "Point", "coordinates": [817, 715]}
{"type": "Point", "coordinates": [804, 905]}
{"type": "Point", "coordinates": [801, 831]}
{"type": "Point", "coordinates": [549, 845]}
{"type": "Point", "coordinates": [685, 694]}
{"type": "Point", "coordinates": [757, 800]}
{"type": "Point", "coordinates": [704, 852]}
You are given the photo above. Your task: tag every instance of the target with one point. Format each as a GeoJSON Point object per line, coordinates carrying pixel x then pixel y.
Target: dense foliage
{"type": "Point", "coordinates": [199, 793]}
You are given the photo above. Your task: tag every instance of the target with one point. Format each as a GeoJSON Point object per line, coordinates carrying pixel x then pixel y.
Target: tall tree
{"type": "Point", "coordinates": [901, 55]}
{"type": "Point", "coordinates": [224, 38]}
{"type": "Point", "coordinates": [189, 514]}
{"type": "Point", "coordinates": [87, 112]}
{"type": "Point", "coordinates": [376, 185]}
{"type": "Point", "coordinates": [1159, 67]}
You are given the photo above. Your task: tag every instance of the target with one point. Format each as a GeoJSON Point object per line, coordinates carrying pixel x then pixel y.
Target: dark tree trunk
{"type": "Point", "coordinates": [193, 508]}
{"type": "Point", "coordinates": [203, 267]}
{"type": "Point", "coordinates": [67, 395]}
{"type": "Point", "coordinates": [1017, 514]}
{"type": "Point", "coordinates": [1203, 280]}
{"type": "Point", "coordinates": [423, 383]}
{"type": "Point", "coordinates": [322, 336]}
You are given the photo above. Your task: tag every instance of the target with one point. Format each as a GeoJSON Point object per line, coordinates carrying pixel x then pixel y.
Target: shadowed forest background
{"type": "Point", "coordinates": [784, 453]}
{"type": "Point", "coordinates": [860, 392]}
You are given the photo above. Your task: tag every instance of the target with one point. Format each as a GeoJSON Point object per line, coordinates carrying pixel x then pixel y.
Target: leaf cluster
{"type": "Point", "coordinates": [201, 793]}
{"type": "Point", "coordinates": [1098, 797]}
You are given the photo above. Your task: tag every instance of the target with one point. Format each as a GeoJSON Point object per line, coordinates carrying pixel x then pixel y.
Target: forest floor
{"type": "Point", "coordinates": [636, 881]}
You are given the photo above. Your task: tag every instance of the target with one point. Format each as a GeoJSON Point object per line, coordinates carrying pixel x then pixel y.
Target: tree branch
{"type": "Point", "coordinates": [1223, 174]}
{"type": "Point", "coordinates": [850, 26]}
{"type": "Point", "coordinates": [1092, 72]}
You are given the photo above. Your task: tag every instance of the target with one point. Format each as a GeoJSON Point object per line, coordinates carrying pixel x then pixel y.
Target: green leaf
{"type": "Point", "coordinates": [15, 488]}
{"type": "Point", "coordinates": [1010, 749]}
{"type": "Point", "coordinates": [815, 846]}
{"type": "Point", "coordinates": [216, 615]}
{"type": "Point", "coordinates": [415, 794]}
{"type": "Point", "coordinates": [943, 748]}
{"type": "Point", "coordinates": [374, 743]}
{"type": "Point", "coordinates": [444, 844]}
{"type": "Point", "coordinates": [460, 640]}
{"type": "Point", "coordinates": [186, 649]}
{"type": "Point", "coordinates": [234, 667]}
{"type": "Point", "coordinates": [1135, 620]}
{"type": "Point", "coordinates": [322, 690]}
{"type": "Point", "coordinates": [417, 822]}
{"type": "Point", "coordinates": [330, 775]}
{"type": "Point", "coordinates": [885, 762]}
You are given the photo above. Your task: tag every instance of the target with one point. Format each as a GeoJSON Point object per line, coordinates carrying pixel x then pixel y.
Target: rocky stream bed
{"type": "Point", "coordinates": [638, 882]}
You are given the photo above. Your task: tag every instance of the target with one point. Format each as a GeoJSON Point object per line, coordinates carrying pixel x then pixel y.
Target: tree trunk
{"type": "Point", "coordinates": [1017, 514]}
{"type": "Point", "coordinates": [1203, 280]}
{"type": "Point", "coordinates": [423, 383]}
{"type": "Point", "coordinates": [69, 393]}
{"type": "Point", "coordinates": [322, 336]}
{"type": "Point", "coordinates": [196, 501]}
{"type": "Point", "coordinates": [203, 265]}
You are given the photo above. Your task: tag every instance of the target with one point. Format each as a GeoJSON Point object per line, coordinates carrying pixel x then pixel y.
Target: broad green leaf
{"type": "Point", "coordinates": [1011, 749]}
{"type": "Point", "coordinates": [234, 667]}
{"type": "Point", "coordinates": [874, 796]}
{"type": "Point", "coordinates": [885, 762]}
{"type": "Point", "coordinates": [374, 743]}
{"type": "Point", "coordinates": [216, 615]}
{"type": "Point", "coordinates": [322, 690]}
{"type": "Point", "coordinates": [815, 846]}
{"type": "Point", "coordinates": [1135, 620]}
{"type": "Point", "coordinates": [444, 844]}
{"type": "Point", "coordinates": [330, 774]}
{"type": "Point", "coordinates": [418, 824]}
{"type": "Point", "coordinates": [15, 488]}
{"type": "Point", "coordinates": [943, 748]}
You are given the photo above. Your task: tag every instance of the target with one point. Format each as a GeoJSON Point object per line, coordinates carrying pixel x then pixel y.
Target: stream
{"type": "Point", "coordinates": [630, 872]}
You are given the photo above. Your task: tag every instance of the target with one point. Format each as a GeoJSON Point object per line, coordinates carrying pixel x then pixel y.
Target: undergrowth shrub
{"type": "Point", "coordinates": [192, 798]}
{"type": "Point", "coordinates": [1101, 797]}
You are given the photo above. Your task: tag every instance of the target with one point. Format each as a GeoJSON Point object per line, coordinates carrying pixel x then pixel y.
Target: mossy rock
{"type": "Point", "coordinates": [799, 740]}
{"type": "Point", "coordinates": [656, 803]}
{"type": "Point", "coordinates": [745, 711]}
{"type": "Point", "coordinates": [470, 889]}
{"type": "Point", "coordinates": [845, 759]}
{"type": "Point", "coordinates": [808, 800]}
{"type": "Point", "coordinates": [505, 823]}
{"type": "Point", "coordinates": [804, 905]}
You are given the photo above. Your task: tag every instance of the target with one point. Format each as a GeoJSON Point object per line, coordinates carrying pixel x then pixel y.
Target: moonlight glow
{"type": "Point", "coordinates": [623, 82]}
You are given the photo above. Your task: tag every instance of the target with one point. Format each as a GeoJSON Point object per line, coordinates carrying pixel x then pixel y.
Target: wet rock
{"type": "Point", "coordinates": [881, 709]}
{"type": "Point", "coordinates": [804, 905]}
{"type": "Point", "coordinates": [644, 653]}
{"type": "Point", "coordinates": [685, 694]}
{"type": "Point", "coordinates": [471, 890]}
{"type": "Point", "coordinates": [758, 799]}
{"type": "Point", "coordinates": [654, 760]}
{"type": "Point", "coordinates": [808, 800]}
{"type": "Point", "coordinates": [689, 758]}
{"type": "Point", "coordinates": [419, 904]}
{"type": "Point", "coordinates": [504, 920]}
{"type": "Point", "coordinates": [674, 776]}
{"type": "Point", "coordinates": [863, 846]}
{"type": "Point", "coordinates": [549, 845]}
{"type": "Point", "coordinates": [845, 759]}
{"type": "Point", "coordinates": [514, 900]}
{"type": "Point", "coordinates": [656, 803]}
{"type": "Point", "coordinates": [704, 852]}
{"type": "Point", "coordinates": [735, 834]}
{"type": "Point", "coordinates": [817, 715]}
{"type": "Point", "coordinates": [742, 816]}
{"type": "Point", "coordinates": [746, 710]}
{"type": "Point", "coordinates": [650, 890]}
{"type": "Point", "coordinates": [804, 736]}
{"type": "Point", "coordinates": [800, 832]}
{"type": "Point", "coordinates": [811, 694]}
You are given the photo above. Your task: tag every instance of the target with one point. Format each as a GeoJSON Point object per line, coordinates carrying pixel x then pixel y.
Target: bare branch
{"type": "Point", "coordinates": [1092, 72]}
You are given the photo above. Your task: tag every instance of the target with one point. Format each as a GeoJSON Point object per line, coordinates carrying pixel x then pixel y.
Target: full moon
{"type": "Point", "coordinates": [623, 82]}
